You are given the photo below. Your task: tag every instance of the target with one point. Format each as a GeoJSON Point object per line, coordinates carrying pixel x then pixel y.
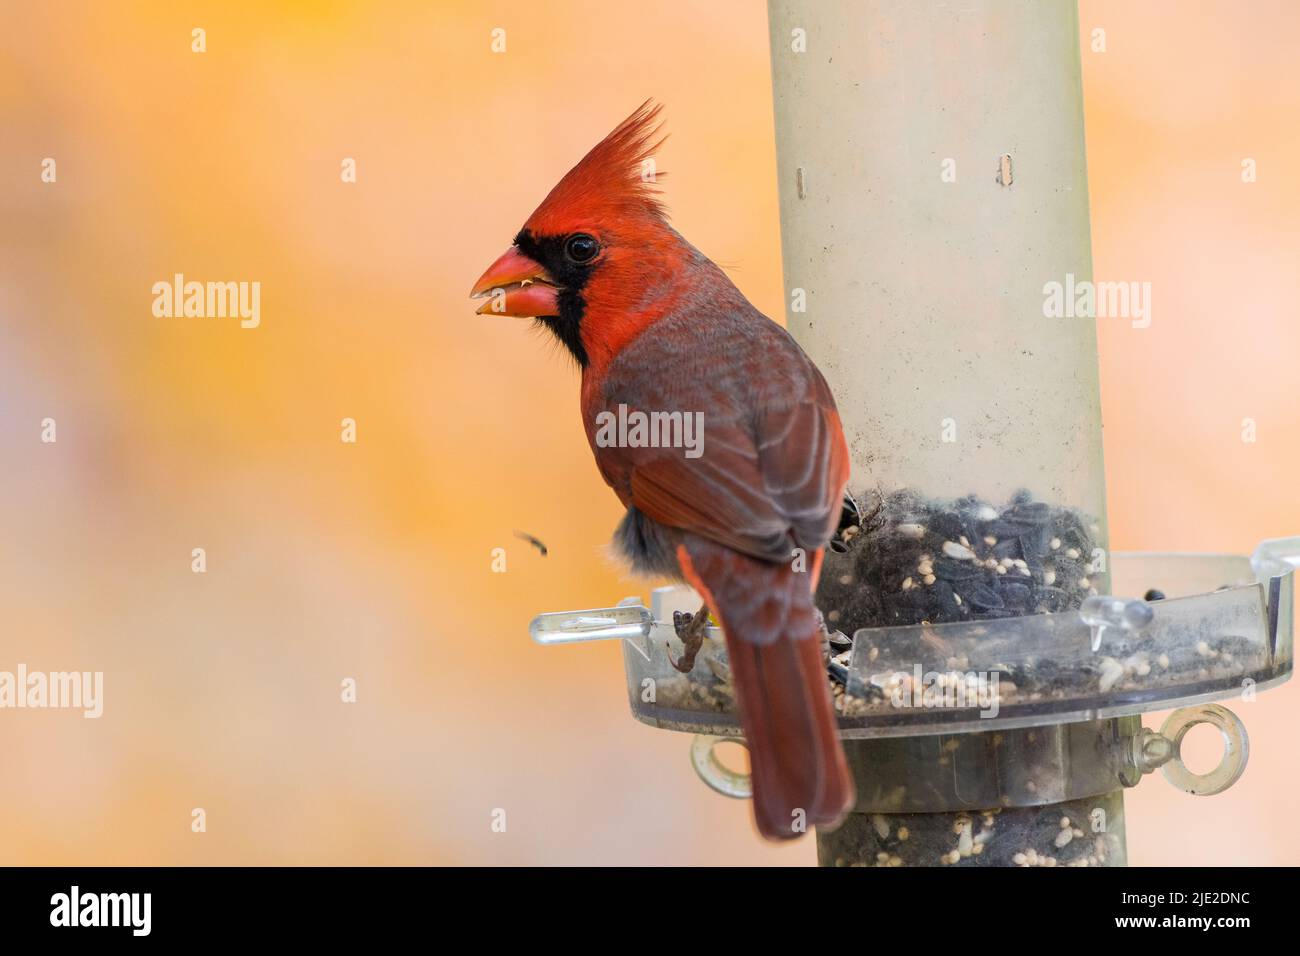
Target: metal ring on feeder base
{"type": "Point", "coordinates": [1236, 749]}
{"type": "Point", "coordinates": [713, 772]}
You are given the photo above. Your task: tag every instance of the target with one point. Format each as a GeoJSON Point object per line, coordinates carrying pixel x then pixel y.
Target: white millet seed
{"type": "Point", "coordinates": [965, 845]}
{"type": "Point", "coordinates": [1111, 671]}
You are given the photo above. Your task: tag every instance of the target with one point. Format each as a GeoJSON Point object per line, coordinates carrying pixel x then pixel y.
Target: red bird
{"type": "Point", "coordinates": [656, 327]}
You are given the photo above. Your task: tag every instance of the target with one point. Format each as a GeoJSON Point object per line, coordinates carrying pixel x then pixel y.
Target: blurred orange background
{"type": "Point", "coordinates": [373, 560]}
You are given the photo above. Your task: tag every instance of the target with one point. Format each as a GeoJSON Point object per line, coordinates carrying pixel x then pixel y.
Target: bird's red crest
{"type": "Point", "coordinates": [613, 182]}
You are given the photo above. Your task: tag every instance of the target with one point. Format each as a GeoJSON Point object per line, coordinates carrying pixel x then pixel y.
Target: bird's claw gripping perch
{"type": "Point", "coordinates": [690, 630]}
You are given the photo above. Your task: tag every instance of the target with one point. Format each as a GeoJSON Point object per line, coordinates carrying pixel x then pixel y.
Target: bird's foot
{"type": "Point", "coordinates": [690, 630]}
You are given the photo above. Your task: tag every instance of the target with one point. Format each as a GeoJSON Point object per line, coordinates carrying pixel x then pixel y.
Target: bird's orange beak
{"type": "Point", "coordinates": [516, 285]}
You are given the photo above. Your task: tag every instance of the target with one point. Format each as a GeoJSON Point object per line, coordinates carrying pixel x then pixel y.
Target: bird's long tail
{"type": "Point", "coordinates": [774, 645]}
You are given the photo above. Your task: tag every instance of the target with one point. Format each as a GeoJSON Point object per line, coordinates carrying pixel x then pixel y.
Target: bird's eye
{"type": "Point", "coordinates": [581, 247]}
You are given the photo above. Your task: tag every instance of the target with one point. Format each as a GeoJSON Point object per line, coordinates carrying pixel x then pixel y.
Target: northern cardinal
{"type": "Point", "coordinates": [656, 327]}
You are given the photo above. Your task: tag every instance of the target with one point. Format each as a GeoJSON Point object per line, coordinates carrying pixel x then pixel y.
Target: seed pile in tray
{"type": "Point", "coordinates": [914, 561]}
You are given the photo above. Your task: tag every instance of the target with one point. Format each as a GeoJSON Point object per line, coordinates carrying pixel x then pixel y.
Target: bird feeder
{"type": "Point", "coordinates": [989, 684]}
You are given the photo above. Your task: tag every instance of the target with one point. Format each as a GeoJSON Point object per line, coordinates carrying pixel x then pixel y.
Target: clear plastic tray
{"type": "Point", "coordinates": [973, 676]}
